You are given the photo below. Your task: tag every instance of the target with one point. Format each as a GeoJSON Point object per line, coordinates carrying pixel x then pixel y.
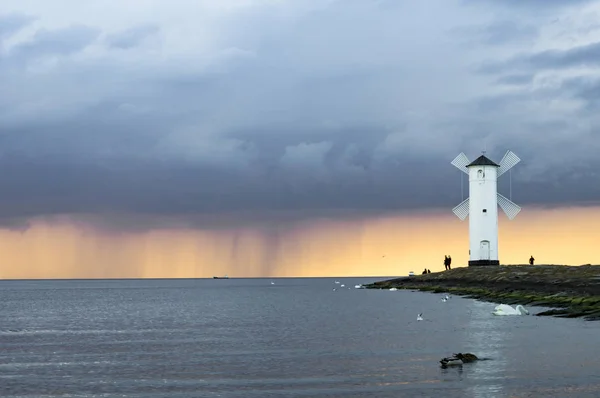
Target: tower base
{"type": "Point", "coordinates": [478, 263]}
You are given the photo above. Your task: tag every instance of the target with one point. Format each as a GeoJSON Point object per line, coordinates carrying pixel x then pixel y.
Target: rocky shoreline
{"type": "Point", "coordinates": [571, 291]}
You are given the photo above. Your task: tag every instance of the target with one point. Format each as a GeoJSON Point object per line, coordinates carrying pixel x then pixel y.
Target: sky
{"type": "Point", "coordinates": [289, 138]}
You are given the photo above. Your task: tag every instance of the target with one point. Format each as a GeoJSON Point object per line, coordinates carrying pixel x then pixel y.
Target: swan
{"type": "Point", "coordinates": [504, 309]}
{"type": "Point", "coordinates": [420, 317]}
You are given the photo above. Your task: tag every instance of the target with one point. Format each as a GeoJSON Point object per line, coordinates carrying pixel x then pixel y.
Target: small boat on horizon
{"type": "Point", "coordinates": [221, 277]}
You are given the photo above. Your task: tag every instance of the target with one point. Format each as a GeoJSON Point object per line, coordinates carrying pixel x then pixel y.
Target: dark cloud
{"type": "Point", "coordinates": [56, 187]}
{"type": "Point", "coordinates": [580, 56]}
{"type": "Point", "coordinates": [132, 37]}
{"type": "Point", "coordinates": [534, 5]}
{"type": "Point", "coordinates": [585, 92]}
{"type": "Point", "coordinates": [499, 32]}
{"type": "Point", "coordinates": [12, 23]}
{"type": "Point", "coordinates": [266, 110]}
{"type": "Point", "coordinates": [48, 42]}
{"type": "Point", "coordinates": [516, 80]}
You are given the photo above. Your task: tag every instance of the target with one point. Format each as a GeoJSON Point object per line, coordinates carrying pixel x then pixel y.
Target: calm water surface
{"type": "Point", "coordinates": [296, 338]}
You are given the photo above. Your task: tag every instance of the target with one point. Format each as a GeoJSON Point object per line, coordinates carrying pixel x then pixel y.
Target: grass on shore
{"type": "Point", "coordinates": [571, 291]}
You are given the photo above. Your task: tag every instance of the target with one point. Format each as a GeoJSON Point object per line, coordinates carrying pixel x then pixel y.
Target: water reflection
{"type": "Point", "coordinates": [485, 338]}
{"type": "Point", "coordinates": [452, 371]}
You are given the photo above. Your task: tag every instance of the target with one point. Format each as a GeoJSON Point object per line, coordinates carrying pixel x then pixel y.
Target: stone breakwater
{"type": "Point", "coordinates": [572, 291]}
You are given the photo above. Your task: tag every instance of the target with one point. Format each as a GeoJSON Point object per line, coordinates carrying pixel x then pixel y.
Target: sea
{"type": "Point", "coordinates": [295, 337]}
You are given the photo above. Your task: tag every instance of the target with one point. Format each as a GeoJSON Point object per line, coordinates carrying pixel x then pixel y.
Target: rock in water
{"type": "Point", "coordinates": [467, 357]}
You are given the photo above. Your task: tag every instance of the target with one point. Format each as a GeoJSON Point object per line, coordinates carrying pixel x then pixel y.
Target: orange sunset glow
{"type": "Point", "coordinates": [376, 246]}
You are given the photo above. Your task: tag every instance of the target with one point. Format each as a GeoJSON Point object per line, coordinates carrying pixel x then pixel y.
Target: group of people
{"type": "Point", "coordinates": [447, 262]}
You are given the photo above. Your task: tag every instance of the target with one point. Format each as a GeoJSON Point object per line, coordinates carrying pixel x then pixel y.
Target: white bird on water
{"type": "Point", "coordinates": [504, 309]}
{"type": "Point", "coordinates": [420, 317]}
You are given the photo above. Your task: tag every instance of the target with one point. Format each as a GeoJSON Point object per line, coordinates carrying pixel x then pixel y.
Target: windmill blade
{"type": "Point", "coordinates": [461, 162]}
{"type": "Point", "coordinates": [462, 210]}
{"type": "Point", "coordinates": [508, 162]}
{"type": "Point", "coordinates": [510, 208]}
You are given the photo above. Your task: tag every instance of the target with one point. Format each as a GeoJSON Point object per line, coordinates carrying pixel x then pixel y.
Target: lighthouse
{"type": "Point", "coordinates": [482, 205]}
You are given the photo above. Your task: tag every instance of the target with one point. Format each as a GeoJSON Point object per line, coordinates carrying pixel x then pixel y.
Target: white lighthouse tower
{"type": "Point", "coordinates": [482, 205]}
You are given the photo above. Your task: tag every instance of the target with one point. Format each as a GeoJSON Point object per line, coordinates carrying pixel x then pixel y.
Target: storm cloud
{"type": "Point", "coordinates": [204, 107]}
